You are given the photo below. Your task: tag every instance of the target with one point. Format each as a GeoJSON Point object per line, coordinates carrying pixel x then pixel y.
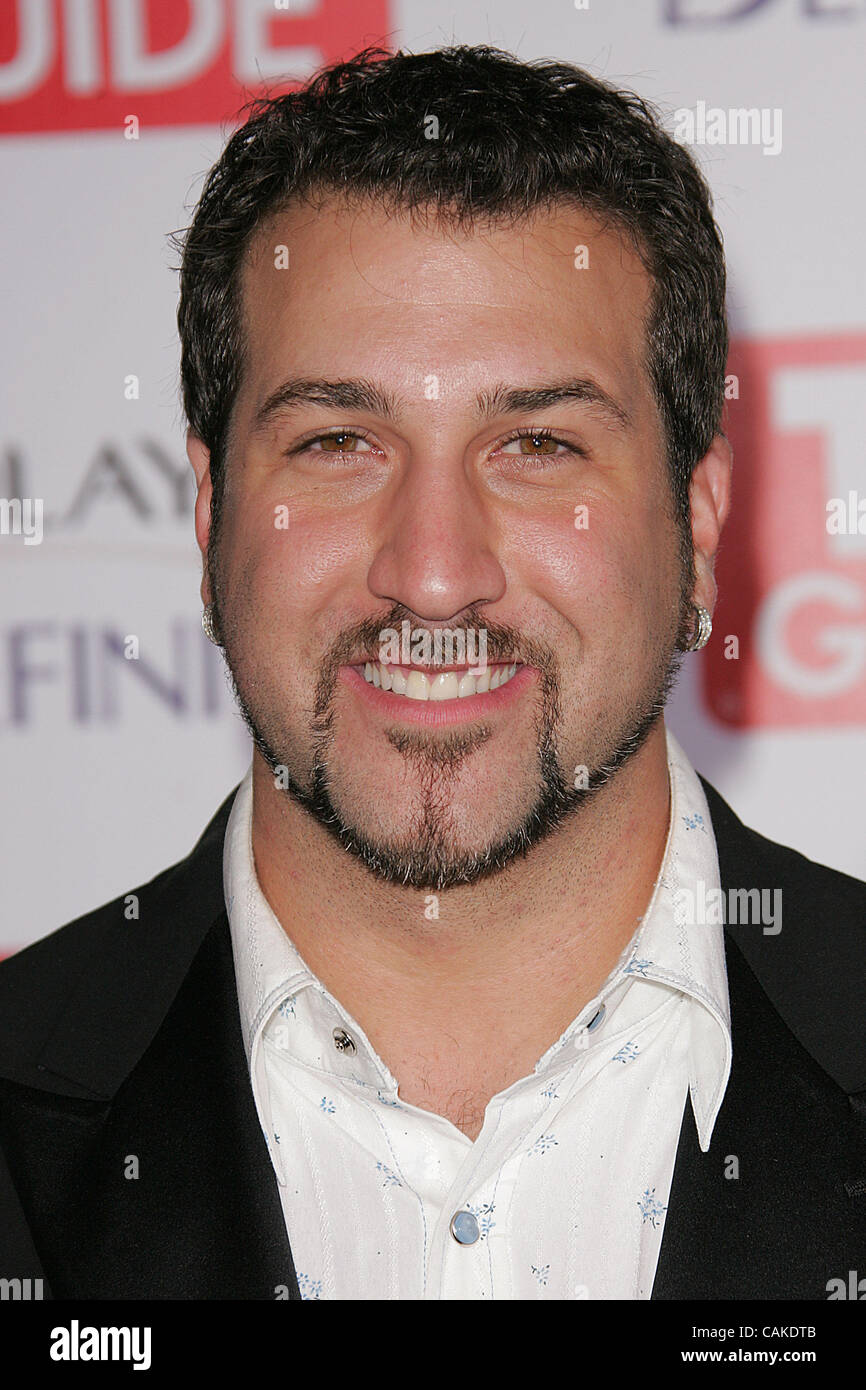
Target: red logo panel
{"type": "Point", "coordinates": [87, 66]}
{"type": "Point", "coordinates": [792, 564]}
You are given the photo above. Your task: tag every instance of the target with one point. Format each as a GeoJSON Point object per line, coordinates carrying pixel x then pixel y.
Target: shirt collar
{"type": "Point", "coordinates": [689, 956]}
{"type": "Point", "coordinates": [267, 965]}
{"type": "Point", "coordinates": [666, 949]}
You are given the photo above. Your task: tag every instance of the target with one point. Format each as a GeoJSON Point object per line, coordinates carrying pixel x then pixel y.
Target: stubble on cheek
{"type": "Point", "coordinates": [266, 681]}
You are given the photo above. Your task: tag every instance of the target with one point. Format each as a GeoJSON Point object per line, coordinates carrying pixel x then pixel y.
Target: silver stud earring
{"type": "Point", "coordinates": [207, 624]}
{"type": "Point", "coordinates": [703, 628]}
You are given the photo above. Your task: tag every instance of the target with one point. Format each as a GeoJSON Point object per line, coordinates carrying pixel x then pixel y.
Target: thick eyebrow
{"type": "Point", "coordinates": [358, 394]}
{"type": "Point", "coordinates": [353, 394]}
{"type": "Point", "coordinates": [510, 400]}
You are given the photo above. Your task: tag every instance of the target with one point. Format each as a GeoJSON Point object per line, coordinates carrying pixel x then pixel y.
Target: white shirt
{"type": "Point", "coordinates": [566, 1186]}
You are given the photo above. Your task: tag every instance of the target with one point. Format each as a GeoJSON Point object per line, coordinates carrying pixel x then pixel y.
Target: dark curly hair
{"type": "Point", "coordinates": [514, 138]}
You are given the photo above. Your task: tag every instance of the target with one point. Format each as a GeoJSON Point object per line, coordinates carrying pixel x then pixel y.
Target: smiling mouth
{"type": "Point", "coordinates": [436, 685]}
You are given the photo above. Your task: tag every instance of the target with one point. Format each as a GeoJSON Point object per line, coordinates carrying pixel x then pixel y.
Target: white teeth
{"type": "Point", "coordinates": [447, 685]}
{"type": "Point", "coordinates": [417, 686]}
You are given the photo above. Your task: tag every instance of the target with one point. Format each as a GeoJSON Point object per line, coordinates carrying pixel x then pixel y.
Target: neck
{"type": "Point", "coordinates": [548, 929]}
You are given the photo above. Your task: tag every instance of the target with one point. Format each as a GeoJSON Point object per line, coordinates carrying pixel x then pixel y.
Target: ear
{"type": "Point", "coordinates": [710, 500]}
{"type": "Point", "coordinates": [199, 456]}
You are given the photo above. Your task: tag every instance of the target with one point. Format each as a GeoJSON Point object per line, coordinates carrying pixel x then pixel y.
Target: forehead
{"type": "Point", "coordinates": [369, 289]}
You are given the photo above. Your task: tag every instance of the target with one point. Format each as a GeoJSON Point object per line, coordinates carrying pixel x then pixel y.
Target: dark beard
{"type": "Point", "coordinates": [427, 859]}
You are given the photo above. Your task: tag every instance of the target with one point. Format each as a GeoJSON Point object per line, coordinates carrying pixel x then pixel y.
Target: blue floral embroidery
{"type": "Point", "coordinates": [287, 1007]}
{"type": "Point", "coordinates": [386, 1100]}
{"type": "Point", "coordinates": [391, 1179]}
{"type": "Point", "coordinates": [541, 1274]}
{"type": "Point", "coordinates": [626, 1053]}
{"type": "Point", "coordinates": [551, 1093]}
{"type": "Point", "coordinates": [637, 967]}
{"type": "Point", "coordinates": [484, 1216]}
{"type": "Point", "coordinates": [276, 1136]}
{"type": "Point", "coordinates": [694, 822]}
{"type": "Point", "coordinates": [327, 1105]}
{"type": "Point", "coordinates": [543, 1143]}
{"type": "Point", "coordinates": [650, 1208]}
{"type": "Point", "coordinates": [310, 1288]}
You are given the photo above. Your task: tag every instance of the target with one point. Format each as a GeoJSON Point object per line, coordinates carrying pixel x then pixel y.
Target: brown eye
{"type": "Point", "coordinates": [539, 443]}
{"type": "Point", "coordinates": [342, 436]}
{"type": "Point", "coordinates": [536, 444]}
{"type": "Point", "coordinates": [340, 444]}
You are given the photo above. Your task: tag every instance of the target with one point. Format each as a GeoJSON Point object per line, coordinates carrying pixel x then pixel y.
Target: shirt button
{"type": "Point", "coordinates": [596, 1019]}
{"type": "Point", "coordinates": [342, 1041]}
{"type": "Point", "coordinates": [464, 1228]}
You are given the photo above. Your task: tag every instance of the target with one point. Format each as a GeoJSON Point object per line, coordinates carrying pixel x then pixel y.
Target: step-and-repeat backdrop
{"type": "Point", "coordinates": [111, 112]}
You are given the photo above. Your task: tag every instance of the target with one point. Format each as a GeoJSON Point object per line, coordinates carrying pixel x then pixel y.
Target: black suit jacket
{"type": "Point", "coordinates": [120, 1041]}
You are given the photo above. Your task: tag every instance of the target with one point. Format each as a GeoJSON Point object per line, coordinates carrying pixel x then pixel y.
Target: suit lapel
{"type": "Point", "coordinates": [138, 1153]}
{"type": "Point", "coordinates": [180, 1199]}
{"type": "Point", "coordinates": [786, 1148]}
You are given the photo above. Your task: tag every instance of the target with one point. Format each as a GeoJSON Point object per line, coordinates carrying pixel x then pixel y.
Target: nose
{"type": "Point", "coordinates": [436, 555]}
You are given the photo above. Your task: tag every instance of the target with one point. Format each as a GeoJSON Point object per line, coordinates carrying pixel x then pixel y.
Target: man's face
{"type": "Point", "coordinates": [562, 552]}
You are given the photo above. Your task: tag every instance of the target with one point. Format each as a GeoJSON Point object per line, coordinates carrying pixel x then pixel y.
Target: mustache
{"type": "Point", "coordinates": [504, 643]}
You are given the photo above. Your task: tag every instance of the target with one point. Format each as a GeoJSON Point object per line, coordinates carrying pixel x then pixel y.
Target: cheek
{"type": "Point", "coordinates": [600, 559]}
{"type": "Point", "coordinates": [288, 561]}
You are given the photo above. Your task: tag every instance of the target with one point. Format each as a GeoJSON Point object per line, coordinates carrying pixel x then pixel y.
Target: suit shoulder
{"type": "Point", "coordinates": [812, 962]}
{"type": "Point", "coordinates": [761, 854]}
{"type": "Point", "coordinates": [61, 953]}
{"type": "Point", "coordinates": [140, 932]}
{"type": "Point", "coordinates": [820, 880]}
